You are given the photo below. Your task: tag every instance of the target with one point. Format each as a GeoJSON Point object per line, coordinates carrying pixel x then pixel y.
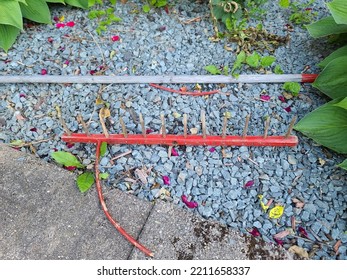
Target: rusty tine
{"type": "Point", "coordinates": [244, 133]}
{"type": "Point", "coordinates": [124, 130]}
{"type": "Point", "coordinates": [224, 130]}
{"type": "Point", "coordinates": [185, 125]}
{"type": "Point", "coordinates": [143, 128]}
{"type": "Point", "coordinates": [290, 128]}
{"type": "Point", "coordinates": [82, 122]}
{"type": "Point", "coordinates": [203, 123]}
{"type": "Point", "coordinates": [267, 125]}
{"type": "Point", "coordinates": [163, 127]}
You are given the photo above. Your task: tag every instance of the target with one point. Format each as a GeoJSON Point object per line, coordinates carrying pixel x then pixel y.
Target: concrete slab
{"type": "Point", "coordinates": [174, 233]}
{"type": "Point", "coordinates": [44, 216]}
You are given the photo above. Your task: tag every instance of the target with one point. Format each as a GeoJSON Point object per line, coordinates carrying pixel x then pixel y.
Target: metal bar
{"type": "Point", "coordinates": [189, 140]}
{"type": "Point", "coordinates": [161, 79]}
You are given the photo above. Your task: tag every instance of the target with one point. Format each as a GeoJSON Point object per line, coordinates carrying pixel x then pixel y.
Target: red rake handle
{"type": "Point", "coordinates": [189, 140]}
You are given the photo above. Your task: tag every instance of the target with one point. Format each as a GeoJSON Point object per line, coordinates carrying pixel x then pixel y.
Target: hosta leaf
{"type": "Point", "coordinates": [8, 35]}
{"type": "Point", "coordinates": [326, 125]}
{"type": "Point", "coordinates": [66, 159]}
{"type": "Point", "coordinates": [333, 79]}
{"type": "Point", "coordinates": [85, 181]}
{"type": "Point", "coordinates": [10, 14]}
{"type": "Point", "coordinates": [56, 1]}
{"type": "Point", "coordinates": [36, 10]}
{"type": "Point", "coordinates": [336, 54]}
{"type": "Point", "coordinates": [343, 164]}
{"type": "Point", "coordinates": [326, 26]}
{"type": "Point", "coordinates": [342, 103]}
{"type": "Point", "coordinates": [338, 9]}
{"type": "Point", "coordinates": [78, 3]}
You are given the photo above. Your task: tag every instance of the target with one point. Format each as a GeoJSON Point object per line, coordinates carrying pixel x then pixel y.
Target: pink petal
{"type": "Point", "coordinates": [279, 241]}
{"type": "Point", "coordinates": [303, 232]}
{"type": "Point", "coordinates": [190, 204]}
{"type": "Point", "coordinates": [50, 40]}
{"type": "Point", "coordinates": [115, 38]}
{"type": "Point", "coordinates": [174, 152]}
{"type": "Point", "coordinates": [211, 150]}
{"type": "Point", "coordinates": [70, 24]}
{"type": "Point", "coordinates": [249, 184]}
{"type": "Point", "coordinates": [282, 98]}
{"type": "Point", "coordinates": [148, 131]}
{"type": "Point", "coordinates": [70, 168]}
{"type": "Point", "coordinates": [43, 72]}
{"type": "Point", "coordinates": [265, 97]}
{"type": "Point", "coordinates": [60, 25]}
{"type": "Point", "coordinates": [67, 62]}
{"type": "Point", "coordinates": [166, 180]}
{"type": "Point", "coordinates": [255, 232]}
{"type": "Point", "coordinates": [288, 109]}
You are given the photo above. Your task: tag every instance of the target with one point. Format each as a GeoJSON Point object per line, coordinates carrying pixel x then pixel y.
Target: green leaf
{"type": "Point", "coordinates": [113, 2]}
{"type": "Point", "coordinates": [103, 176]}
{"type": "Point", "coordinates": [36, 10]}
{"type": "Point", "coordinates": [56, 1]}
{"type": "Point", "coordinates": [336, 54]}
{"type": "Point", "coordinates": [103, 149]}
{"type": "Point", "coordinates": [161, 3]}
{"type": "Point", "coordinates": [338, 9]}
{"type": "Point", "coordinates": [8, 35]}
{"type": "Point", "coordinates": [278, 70]}
{"type": "Point", "coordinates": [78, 3]}
{"type": "Point", "coordinates": [241, 57]}
{"type": "Point", "coordinates": [10, 14]}
{"type": "Point", "coordinates": [266, 61]}
{"type": "Point", "coordinates": [326, 26]}
{"type": "Point", "coordinates": [284, 3]}
{"type": "Point", "coordinates": [343, 164]}
{"type": "Point", "coordinates": [342, 103]}
{"type": "Point", "coordinates": [333, 79]}
{"type": "Point", "coordinates": [226, 70]}
{"type": "Point", "coordinates": [292, 87]}
{"type": "Point", "coordinates": [253, 60]}
{"type": "Point", "coordinates": [146, 8]}
{"type": "Point", "coordinates": [66, 159]}
{"type": "Point", "coordinates": [212, 69]}
{"type": "Point", "coordinates": [85, 181]}
{"type": "Point", "coordinates": [326, 125]}
{"type": "Point", "coordinates": [17, 142]}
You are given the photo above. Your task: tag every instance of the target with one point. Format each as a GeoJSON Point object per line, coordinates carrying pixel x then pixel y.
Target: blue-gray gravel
{"type": "Point", "coordinates": [214, 179]}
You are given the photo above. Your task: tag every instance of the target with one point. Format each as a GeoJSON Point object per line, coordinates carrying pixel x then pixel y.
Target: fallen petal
{"type": "Point", "coordinates": [166, 180]}
{"type": "Point", "coordinates": [43, 72]}
{"type": "Point", "coordinates": [56, 18]}
{"type": "Point", "coordinates": [255, 232]}
{"type": "Point", "coordinates": [279, 241]}
{"type": "Point", "coordinates": [92, 72]}
{"type": "Point", "coordinates": [288, 109]}
{"type": "Point", "coordinates": [22, 95]}
{"type": "Point", "coordinates": [70, 168]}
{"type": "Point", "coordinates": [148, 131]}
{"type": "Point", "coordinates": [70, 145]}
{"type": "Point", "coordinates": [265, 97]}
{"type": "Point", "coordinates": [34, 129]}
{"type": "Point", "coordinates": [211, 150]}
{"type": "Point", "coordinates": [67, 62]}
{"type": "Point", "coordinates": [281, 98]}
{"type": "Point", "coordinates": [115, 38]}
{"type": "Point", "coordinates": [282, 234]}
{"type": "Point", "coordinates": [161, 28]}
{"type": "Point", "coordinates": [249, 184]}
{"type": "Point", "coordinates": [303, 232]}
{"type": "Point", "coordinates": [190, 204]}
{"type": "Point", "coordinates": [50, 40]}
{"type": "Point", "coordinates": [60, 25]}
{"type": "Point", "coordinates": [70, 24]}
{"type": "Point", "coordinates": [174, 152]}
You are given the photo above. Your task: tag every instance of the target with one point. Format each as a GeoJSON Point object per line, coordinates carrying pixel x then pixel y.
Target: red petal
{"type": "Point", "coordinates": [255, 232]}
{"type": "Point", "coordinates": [70, 24]}
{"type": "Point", "coordinates": [70, 145]}
{"type": "Point", "coordinates": [50, 40]}
{"type": "Point", "coordinates": [70, 168]}
{"type": "Point", "coordinates": [60, 25]}
{"type": "Point", "coordinates": [67, 62]}
{"type": "Point", "coordinates": [282, 98]}
{"type": "Point", "coordinates": [92, 72]}
{"type": "Point", "coordinates": [211, 150]}
{"type": "Point", "coordinates": [115, 38]}
{"type": "Point", "coordinates": [148, 131]}
{"type": "Point", "coordinates": [303, 232]}
{"type": "Point", "coordinates": [34, 129]}
{"type": "Point", "coordinates": [166, 180]}
{"type": "Point", "coordinates": [174, 152]}
{"type": "Point", "coordinates": [279, 241]}
{"type": "Point", "coordinates": [43, 71]}
{"type": "Point", "coordinates": [249, 184]}
{"type": "Point", "coordinates": [56, 18]}
{"type": "Point", "coordinates": [22, 95]}
{"type": "Point", "coordinates": [288, 109]}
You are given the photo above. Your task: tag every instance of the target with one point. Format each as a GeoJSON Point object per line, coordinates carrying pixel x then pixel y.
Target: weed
{"type": "Point", "coordinates": [301, 13]}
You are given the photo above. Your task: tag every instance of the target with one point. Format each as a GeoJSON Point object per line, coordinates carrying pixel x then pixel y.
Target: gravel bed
{"type": "Point", "coordinates": [160, 43]}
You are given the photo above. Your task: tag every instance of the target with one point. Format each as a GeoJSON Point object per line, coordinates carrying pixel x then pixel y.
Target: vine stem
{"type": "Point", "coordinates": [196, 93]}
{"type": "Point", "coordinates": [108, 215]}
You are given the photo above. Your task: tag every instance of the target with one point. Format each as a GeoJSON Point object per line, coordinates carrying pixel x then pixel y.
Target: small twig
{"type": "Point", "coordinates": [244, 133]}
{"type": "Point", "coordinates": [30, 143]}
{"type": "Point", "coordinates": [290, 128]}
{"type": "Point", "coordinates": [194, 93]}
{"type": "Point", "coordinates": [203, 123]}
{"type": "Point", "coordinates": [61, 120]}
{"type": "Point", "coordinates": [251, 160]}
{"type": "Point", "coordinates": [121, 155]}
{"type": "Point", "coordinates": [309, 240]}
{"type": "Point", "coordinates": [163, 127]}
{"type": "Point", "coordinates": [102, 54]}
{"type": "Point", "coordinates": [84, 125]}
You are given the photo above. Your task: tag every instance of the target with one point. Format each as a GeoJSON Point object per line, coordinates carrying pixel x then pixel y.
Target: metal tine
{"type": "Point", "coordinates": [123, 127]}
{"type": "Point", "coordinates": [163, 127]}
{"type": "Point", "coordinates": [244, 133]}
{"type": "Point", "coordinates": [84, 125]}
{"type": "Point", "coordinates": [203, 123]}
{"type": "Point", "coordinates": [185, 125]}
{"type": "Point", "coordinates": [224, 129]}
{"type": "Point", "coordinates": [267, 125]}
{"type": "Point", "coordinates": [142, 123]}
{"type": "Point", "coordinates": [290, 128]}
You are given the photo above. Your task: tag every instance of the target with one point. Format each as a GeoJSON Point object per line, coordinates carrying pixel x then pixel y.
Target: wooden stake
{"type": "Point", "coordinates": [185, 125]}
{"type": "Point", "coordinates": [224, 130]}
{"type": "Point", "coordinates": [124, 130]}
{"type": "Point", "coordinates": [163, 127]}
{"type": "Point", "coordinates": [267, 125]}
{"type": "Point", "coordinates": [203, 123]}
{"type": "Point", "coordinates": [142, 123]}
{"type": "Point", "coordinates": [290, 128]}
{"type": "Point", "coordinates": [244, 133]}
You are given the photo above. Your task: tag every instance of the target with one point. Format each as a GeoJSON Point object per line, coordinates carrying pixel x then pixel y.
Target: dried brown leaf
{"type": "Point", "coordinates": [337, 246]}
{"type": "Point", "coordinates": [301, 252]}
{"type": "Point", "coordinates": [142, 175]}
{"type": "Point", "coordinates": [282, 234]}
